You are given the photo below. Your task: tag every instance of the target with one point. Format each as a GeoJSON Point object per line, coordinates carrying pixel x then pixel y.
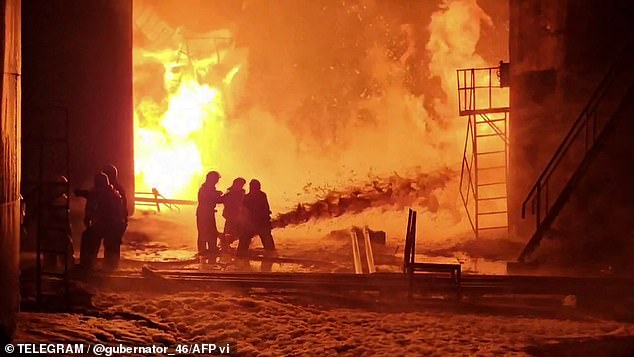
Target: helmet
{"type": "Point", "coordinates": [111, 171]}
{"type": "Point", "coordinates": [213, 176]}
{"type": "Point", "coordinates": [239, 182]}
{"type": "Point", "coordinates": [101, 180]}
{"type": "Point", "coordinates": [255, 185]}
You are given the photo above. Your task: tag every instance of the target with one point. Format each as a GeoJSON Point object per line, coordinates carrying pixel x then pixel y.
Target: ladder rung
{"type": "Point", "coordinates": [53, 251]}
{"type": "Point", "coordinates": [50, 183]}
{"type": "Point", "coordinates": [491, 198]}
{"type": "Point", "coordinates": [488, 228]}
{"type": "Point", "coordinates": [492, 167]}
{"type": "Point", "coordinates": [492, 183]}
{"type": "Point", "coordinates": [55, 228]}
{"type": "Point", "coordinates": [487, 135]}
{"type": "Point", "coordinates": [50, 273]}
{"type": "Point", "coordinates": [490, 121]}
{"type": "Point", "coordinates": [48, 140]}
{"type": "Point", "coordinates": [490, 213]}
{"type": "Point", "coordinates": [56, 207]}
{"type": "Point", "coordinates": [491, 152]}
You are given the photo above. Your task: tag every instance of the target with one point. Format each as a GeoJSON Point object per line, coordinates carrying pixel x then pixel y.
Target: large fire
{"type": "Point", "coordinates": [176, 135]}
{"type": "Point", "coordinates": [168, 156]}
{"type": "Point", "coordinates": [303, 105]}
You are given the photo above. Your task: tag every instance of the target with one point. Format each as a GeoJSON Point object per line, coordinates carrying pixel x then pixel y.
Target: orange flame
{"type": "Point", "coordinates": [194, 124]}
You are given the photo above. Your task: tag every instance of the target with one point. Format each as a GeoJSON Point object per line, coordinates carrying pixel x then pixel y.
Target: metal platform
{"type": "Point", "coordinates": [483, 99]}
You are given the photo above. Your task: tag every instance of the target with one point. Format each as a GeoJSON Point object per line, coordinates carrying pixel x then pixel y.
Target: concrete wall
{"type": "Point", "coordinates": [559, 51]}
{"type": "Point", "coordinates": [9, 168]}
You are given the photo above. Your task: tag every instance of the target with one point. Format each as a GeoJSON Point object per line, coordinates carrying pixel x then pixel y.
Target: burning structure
{"type": "Point", "coordinates": [347, 111]}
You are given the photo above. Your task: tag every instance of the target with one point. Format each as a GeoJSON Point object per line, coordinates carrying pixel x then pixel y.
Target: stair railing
{"type": "Point", "coordinates": [582, 135]}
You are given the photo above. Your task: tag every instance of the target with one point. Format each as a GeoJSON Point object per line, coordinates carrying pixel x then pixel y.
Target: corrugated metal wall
{"type": "Point", "coordinates": [10, 168]}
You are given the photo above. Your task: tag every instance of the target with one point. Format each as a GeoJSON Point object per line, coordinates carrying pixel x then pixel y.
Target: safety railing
{"type": "Point", "coordinates": [481, 90]}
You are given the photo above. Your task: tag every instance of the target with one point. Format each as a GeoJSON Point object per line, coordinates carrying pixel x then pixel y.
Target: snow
{"type": "Point", "coordinates": [274, 324]}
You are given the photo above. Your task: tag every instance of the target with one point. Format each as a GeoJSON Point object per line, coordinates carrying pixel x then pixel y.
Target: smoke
{"type": "Point", "coordinates": [328, 98]}
{"type": "Point", "coordinates": [454, 34]}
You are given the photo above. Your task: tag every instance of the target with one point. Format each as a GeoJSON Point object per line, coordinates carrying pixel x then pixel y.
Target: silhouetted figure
{"type": "Point", "coordinates": [208, 198]}
{"type": "Point", "coordinates": [54, 226]}
{"type": "Point", "coordinates": [103, 219]}
{"type": "Point", "coordinates": [258, 222]}
{"type": "Point", "coordinates": [233, 211]}
{"type": "Point", "coordinates": [112, 248]}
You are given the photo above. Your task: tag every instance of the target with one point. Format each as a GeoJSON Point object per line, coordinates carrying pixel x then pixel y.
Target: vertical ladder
{"type": "Point", "coordinates": [47, 182]}
{"type": "Point", "coordinates": [484, 173]}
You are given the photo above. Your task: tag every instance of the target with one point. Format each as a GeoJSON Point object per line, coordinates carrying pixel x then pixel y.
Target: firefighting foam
{"type": "Point", "coordinates": [378, 103]}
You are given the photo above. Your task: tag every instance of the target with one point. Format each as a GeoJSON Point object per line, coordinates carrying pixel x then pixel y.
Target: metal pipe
{"type": "Point", "coordinates": [356, 254]}
{"type": "Point", "coordinates": [368, 251]}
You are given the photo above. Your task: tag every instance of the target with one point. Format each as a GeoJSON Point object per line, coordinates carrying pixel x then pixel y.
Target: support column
{"type": "Point", "coordinates": [10, 16]}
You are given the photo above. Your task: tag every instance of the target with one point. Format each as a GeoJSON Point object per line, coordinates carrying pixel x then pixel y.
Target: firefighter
{"type": "Point", "coordinates": [233, 211]}
{"type": "Point", "coordinates": [55, 234]}
{"type": "Point", "coordinates": [103, 219]}
{"type": "Point", "coordinates": [258, 222]}
{"type": "Point", "coordinates": [208, 198]}
{"type": "Point", "coordinates": [112, 247]}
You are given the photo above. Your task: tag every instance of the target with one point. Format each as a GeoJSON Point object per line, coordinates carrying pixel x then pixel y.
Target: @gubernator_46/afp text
{"type": "Point", "coordinates": [111, 350]}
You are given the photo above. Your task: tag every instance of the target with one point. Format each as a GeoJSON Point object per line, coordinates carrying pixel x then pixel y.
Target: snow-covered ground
{"type": "Point", "coordinates": [318, 323]}
{"type": "Point", "coordinates": [269, 324]}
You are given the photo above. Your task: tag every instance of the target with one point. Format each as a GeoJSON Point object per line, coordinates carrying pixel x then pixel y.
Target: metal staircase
{"type": "Point", "coordinates": [579, 148]}
{"type": "Point", "coordinates": [483, 99]}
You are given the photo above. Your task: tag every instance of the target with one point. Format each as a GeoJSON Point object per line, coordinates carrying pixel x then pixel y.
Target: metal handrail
{"type": "Point", "coordinates": [156, 199]}
{"type": "Point", "coordinates": [467, 86]}
{"type": "Point", "coordinates": [587, 114]}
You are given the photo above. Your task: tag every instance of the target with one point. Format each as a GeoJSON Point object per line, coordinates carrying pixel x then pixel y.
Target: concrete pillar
{"type": "Point", "coordinates": [10, 167]}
